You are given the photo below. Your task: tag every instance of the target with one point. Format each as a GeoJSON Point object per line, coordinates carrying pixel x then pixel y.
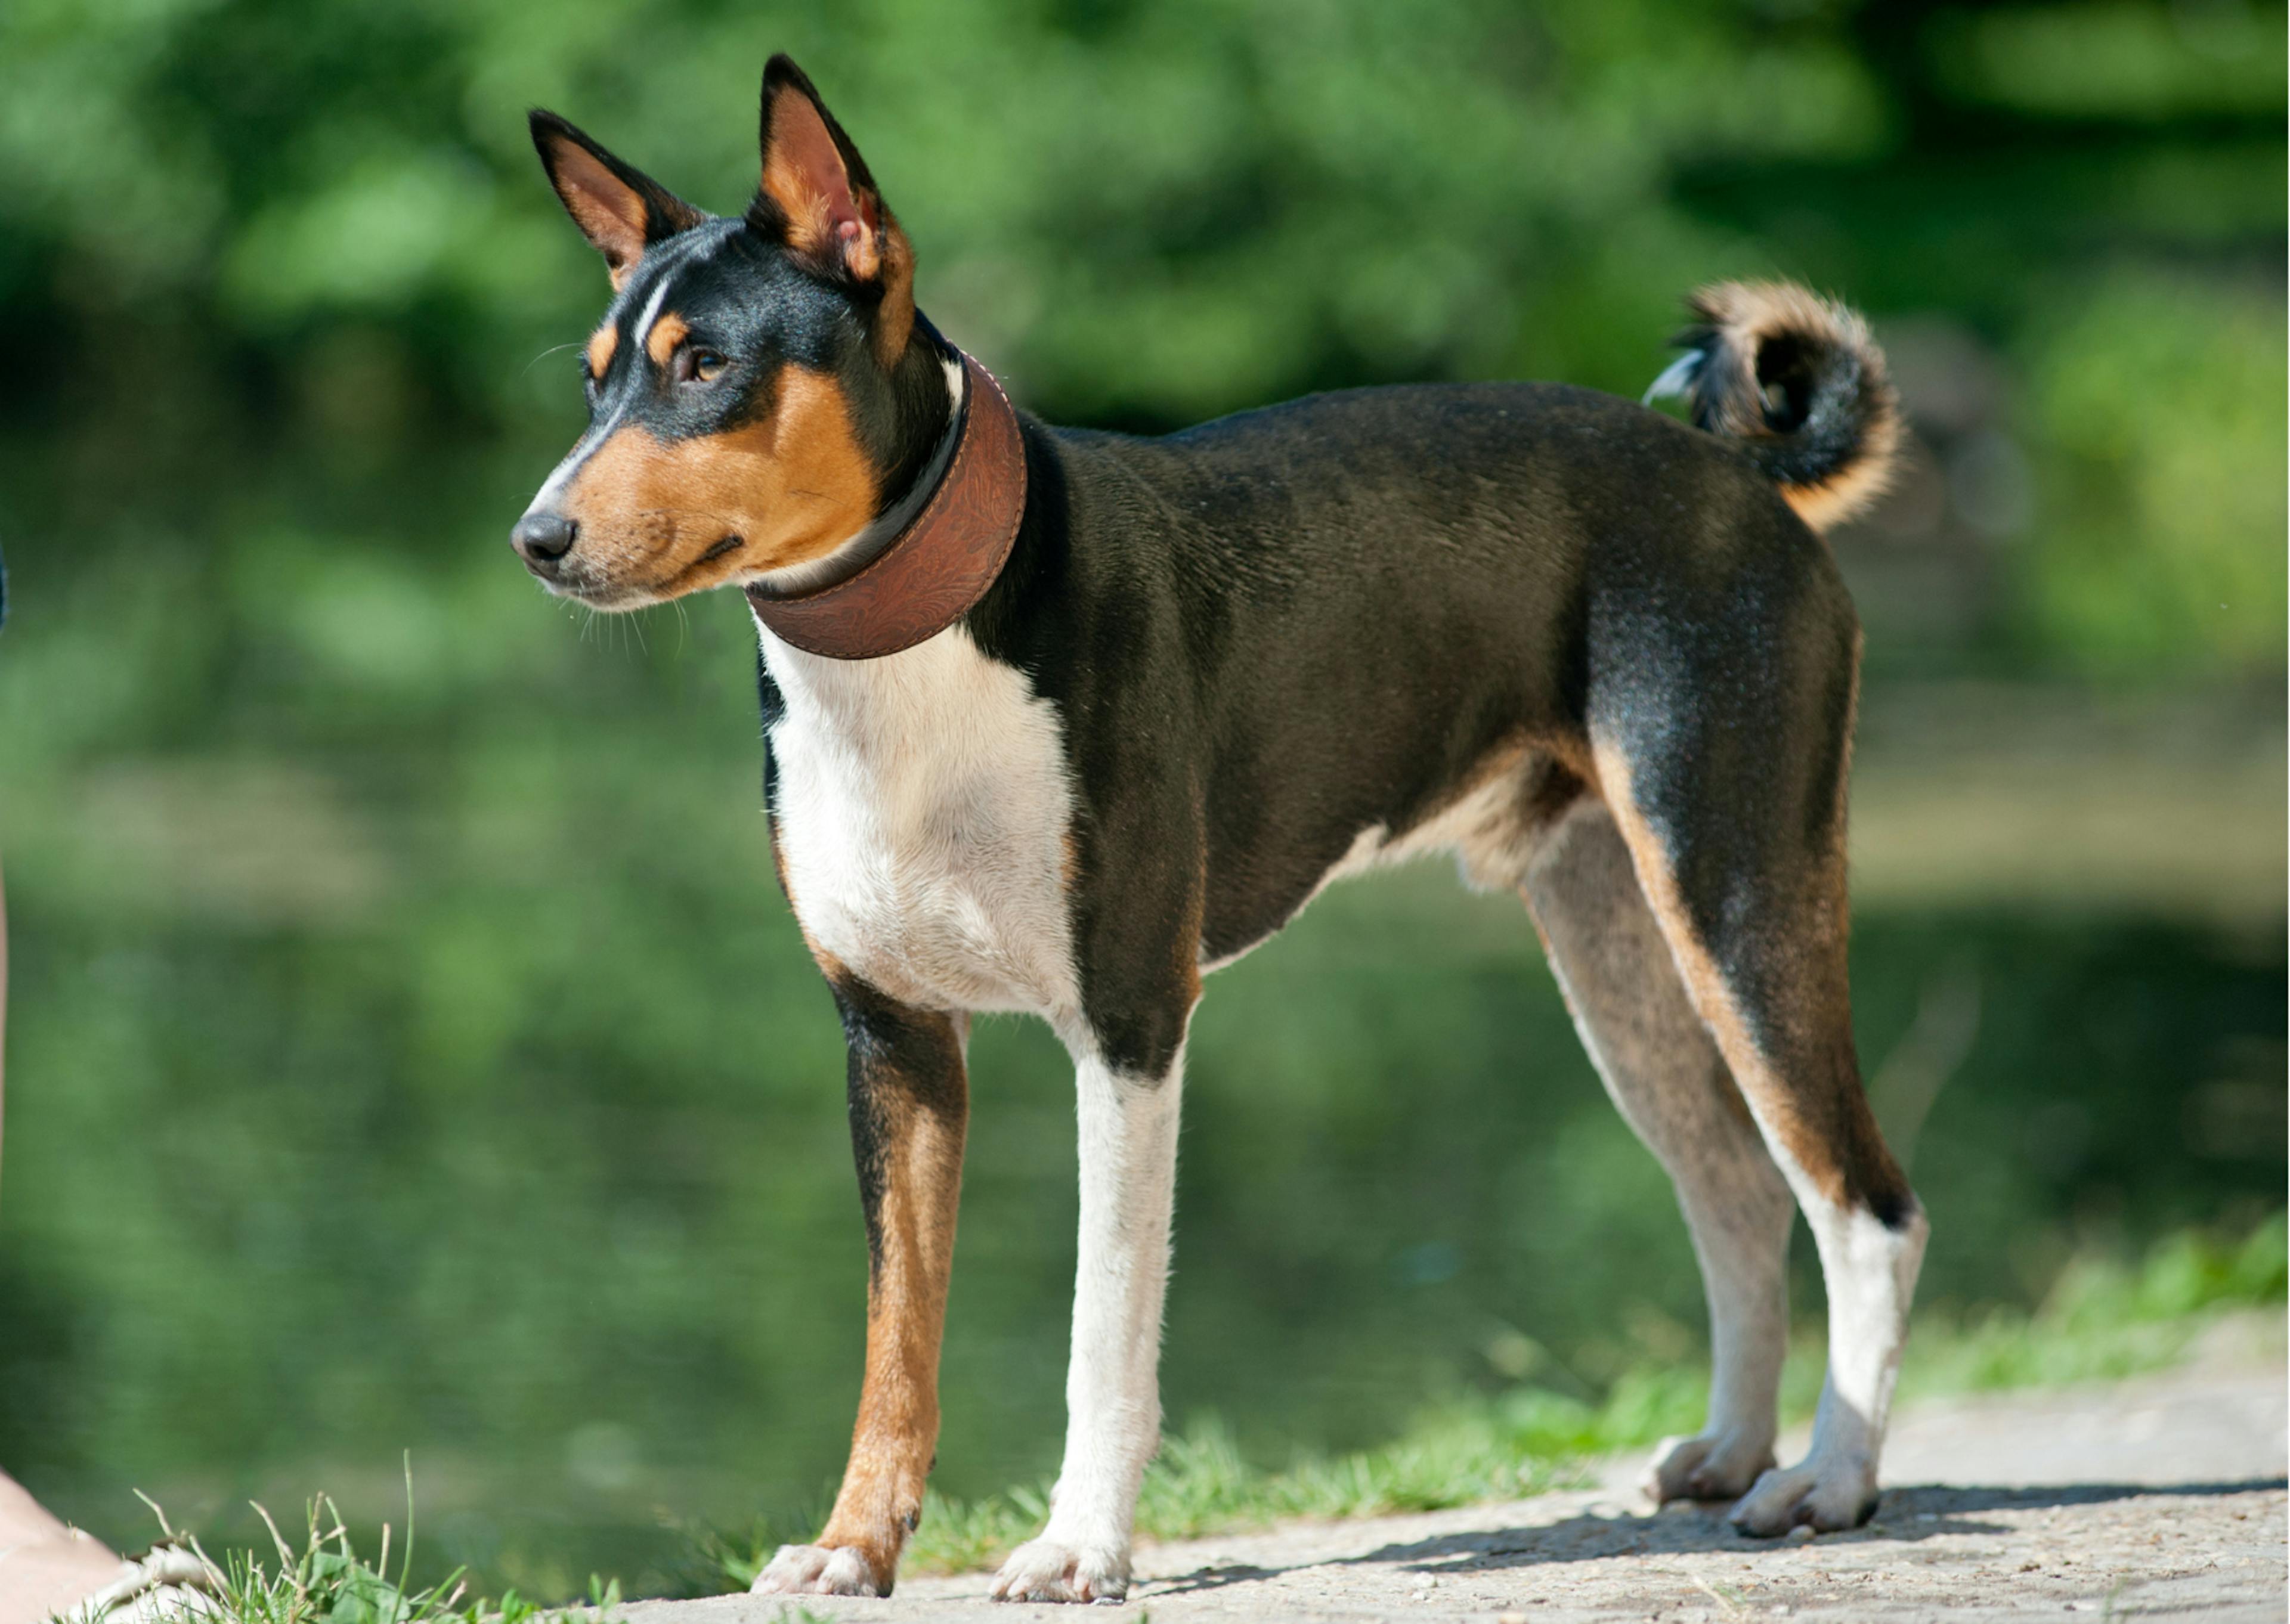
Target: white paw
{"type": "Point", "coordinates": [1708, 1465]}
{"type": "Point", "coordinates": [816, 1570]}
{"type": "Point", "coordinates": [1047, 1569]}
{"type": "Point", "coordinates": [1825, 1495]}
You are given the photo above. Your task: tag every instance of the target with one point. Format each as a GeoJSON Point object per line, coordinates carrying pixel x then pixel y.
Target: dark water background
{"type": "Point", "coordinates": [475, 1096]}
{"type": "Point", "coordinates": [409, 1048]}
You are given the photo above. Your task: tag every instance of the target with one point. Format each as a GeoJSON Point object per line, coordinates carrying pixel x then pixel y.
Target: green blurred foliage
{"type": "Point", "coordinates": [2123, 60]}
{"type": "Point", "coordinates": [2160, 397]}
{"type": "Point", "coordinates": [234, 231]}
{"type": "Point", "coordinates": [2103, 1320]}
{"type": "Point", "coordinates": [410, 1047]}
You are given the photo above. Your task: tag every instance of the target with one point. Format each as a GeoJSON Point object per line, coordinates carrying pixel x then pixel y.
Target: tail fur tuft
{"type": "Point", "coordinates": [1797, 383]}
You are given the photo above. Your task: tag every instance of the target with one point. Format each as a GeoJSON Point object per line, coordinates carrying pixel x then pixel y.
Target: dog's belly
{"type": "Point", "coordinates": [921, 813]}
{"type": "Point", "coordinates": [1492, 825]}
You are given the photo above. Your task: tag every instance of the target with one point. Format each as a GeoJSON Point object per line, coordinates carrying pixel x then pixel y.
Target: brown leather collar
{"type": "Point", "coordinates": [935, 569]}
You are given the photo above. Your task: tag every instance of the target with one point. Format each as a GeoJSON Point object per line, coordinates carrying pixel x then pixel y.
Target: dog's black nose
{"type": "Point", "coordinates": [542, 538]}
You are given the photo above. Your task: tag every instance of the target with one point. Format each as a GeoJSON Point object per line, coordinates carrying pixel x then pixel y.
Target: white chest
{"type": "Point", "coordinates": [921, 808]}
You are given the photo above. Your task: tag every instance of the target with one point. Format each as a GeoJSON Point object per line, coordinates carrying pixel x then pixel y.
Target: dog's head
{"type": "Point", "coordinates": [756, 389]}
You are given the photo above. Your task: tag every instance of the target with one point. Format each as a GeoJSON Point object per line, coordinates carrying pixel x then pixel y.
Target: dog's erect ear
{"type": "Point", "coordinates": [818, 199]}
{"type": "Point", "coordinates": [619, 210]}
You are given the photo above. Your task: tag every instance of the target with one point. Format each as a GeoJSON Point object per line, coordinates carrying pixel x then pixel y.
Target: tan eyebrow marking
{"type": "Point", "coordinates": [602, 343]}
{"type": "Point", "coordinates": [666, 334]}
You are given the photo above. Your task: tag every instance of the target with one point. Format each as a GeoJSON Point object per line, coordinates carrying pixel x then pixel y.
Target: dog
{"type": "Point", "coordinates": [1060, 721]}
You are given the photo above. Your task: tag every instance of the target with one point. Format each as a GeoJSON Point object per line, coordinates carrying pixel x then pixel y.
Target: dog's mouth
{"type": "Point", "coordinates": [684, 580]}
{"type": "Point", "coordinates": [729, 544]}
{"type": "Point", "coordinates": [569, 580]}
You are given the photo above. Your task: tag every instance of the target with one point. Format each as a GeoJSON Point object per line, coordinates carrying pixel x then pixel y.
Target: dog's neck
{"type": "Point", "coordinates": [850, 556]}
{"type": "Point", "coordinates": [925, 561]}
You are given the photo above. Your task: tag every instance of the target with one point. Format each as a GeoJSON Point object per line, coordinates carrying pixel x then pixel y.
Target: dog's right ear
{"type": "Point", "coordinates": [620, 211]}
{"type": "Point", "coordinates": [818, 198]}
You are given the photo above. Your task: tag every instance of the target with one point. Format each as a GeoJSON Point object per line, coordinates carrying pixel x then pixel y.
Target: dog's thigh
{"type": "Point", "coordinates": [1663, 1071]}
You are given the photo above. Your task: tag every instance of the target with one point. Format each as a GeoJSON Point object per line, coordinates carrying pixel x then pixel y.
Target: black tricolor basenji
{"type": "Point", "coordinates": [1058, 721]}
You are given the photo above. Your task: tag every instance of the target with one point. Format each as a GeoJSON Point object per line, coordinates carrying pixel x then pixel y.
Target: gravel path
{"type": "Point", "coordinates": [2158, 1498]}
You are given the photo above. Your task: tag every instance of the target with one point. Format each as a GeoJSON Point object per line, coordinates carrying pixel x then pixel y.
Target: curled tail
{"type": "Point", "coordinates": [1796, 382]}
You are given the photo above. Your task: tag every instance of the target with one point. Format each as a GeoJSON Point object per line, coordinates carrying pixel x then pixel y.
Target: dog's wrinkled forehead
{"type": "Point", "coordinates": [719, 291]}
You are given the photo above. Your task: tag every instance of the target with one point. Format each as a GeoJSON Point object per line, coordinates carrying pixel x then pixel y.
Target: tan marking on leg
{"type": "Point", "coordinates": [602, 343]}
{"type": "Point", "coordinates": [1186, 938]}
{"type": "Point", "coordinates": [667, 333]}
{"type": "Point", "coordinates": [1776, 1104]}
{"type": "Point", "coordinates": [895, 1439]}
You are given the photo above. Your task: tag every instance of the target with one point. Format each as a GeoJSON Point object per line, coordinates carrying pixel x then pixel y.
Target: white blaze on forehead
{"type": "Point", "coordinates": [696, 252]}
{"type": "Point", "coordinates": [597, 434]}
{"type": "Point", "coordinates": [643, 329]}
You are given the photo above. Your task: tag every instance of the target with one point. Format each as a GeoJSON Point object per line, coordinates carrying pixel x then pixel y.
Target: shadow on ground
{"type": "Point", "coordinates": [1904, 1516]}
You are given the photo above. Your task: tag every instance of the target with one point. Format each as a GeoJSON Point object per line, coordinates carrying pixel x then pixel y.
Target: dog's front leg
{"type": "Point", "coordinates": [1113, 1400]}
{"type": "Point", "coordinates": [909, 1105]}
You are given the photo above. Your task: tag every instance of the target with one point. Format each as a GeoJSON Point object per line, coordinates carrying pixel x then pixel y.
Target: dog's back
{"type": "Point", "coordinates": [1062, 720]}
{"type": "Point", "coordinates": [1338, 618]}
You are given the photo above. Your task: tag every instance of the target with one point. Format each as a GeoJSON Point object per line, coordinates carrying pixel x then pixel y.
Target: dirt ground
{"type": "Point", "coordinates": [2158, 1497]}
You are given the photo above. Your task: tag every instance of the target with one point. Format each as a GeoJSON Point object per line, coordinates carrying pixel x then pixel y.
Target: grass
{"type": "Point", "coordinates": [325, 1580]}
{"type": "Point", "coordinates": [2101, 1321]}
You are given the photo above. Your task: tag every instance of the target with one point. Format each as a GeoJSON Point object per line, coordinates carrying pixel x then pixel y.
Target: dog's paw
{"type": "Point", "coordinates": [1047, 1569]}
{"type": "Point", "coordinates": [1826, 1496]}
{"type": "Point", "coordinates": [817, 1569]}
{"type": "Point", "coordinates": [1707, 1466]}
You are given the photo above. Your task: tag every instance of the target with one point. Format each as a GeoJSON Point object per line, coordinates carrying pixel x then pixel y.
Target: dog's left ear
{"type": "Point", "coordinates": [622, 211]}
{"type": "Point", "coordinates": [818, 199]}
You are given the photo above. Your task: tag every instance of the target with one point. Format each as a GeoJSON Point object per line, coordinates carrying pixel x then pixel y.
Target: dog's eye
{"type": "Point", "coordinates": [696, 365]}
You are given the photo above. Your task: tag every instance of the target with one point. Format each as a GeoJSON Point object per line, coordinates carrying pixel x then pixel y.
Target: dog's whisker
{"type": "Point", "coordinates": [554, 349]}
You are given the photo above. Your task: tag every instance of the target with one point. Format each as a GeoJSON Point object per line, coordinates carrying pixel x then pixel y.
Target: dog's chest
{"type": "Point", "coordinates": [921, 810]}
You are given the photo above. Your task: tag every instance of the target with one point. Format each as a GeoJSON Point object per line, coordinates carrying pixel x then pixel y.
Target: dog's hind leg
{"type": "Point", "coordinates": [909, 1110]}
{"type": "Point", "coordinates": [1665, 1075]}
{"type": "Point", "coordinates": [1720, 747]}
